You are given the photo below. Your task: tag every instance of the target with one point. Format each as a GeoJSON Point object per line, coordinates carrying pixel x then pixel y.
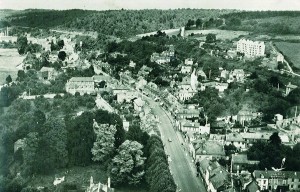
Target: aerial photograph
{"type": "Point", "coordinates": [150, 96]}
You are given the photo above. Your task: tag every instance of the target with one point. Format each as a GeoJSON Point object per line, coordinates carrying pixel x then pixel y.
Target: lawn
{"type": "Point", "coordinates": [291, 51]}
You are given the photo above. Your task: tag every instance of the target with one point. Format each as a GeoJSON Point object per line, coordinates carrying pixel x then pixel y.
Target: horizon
{"type": "Point", "coordinates": [103, 5]}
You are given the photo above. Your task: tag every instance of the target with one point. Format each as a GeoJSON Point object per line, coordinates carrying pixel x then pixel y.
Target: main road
{"type": "Point", "coordinates": [181, 165]}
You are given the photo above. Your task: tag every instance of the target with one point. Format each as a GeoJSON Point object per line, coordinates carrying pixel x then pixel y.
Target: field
{"type": "Point", "coordinates": [221, 34]}
{"type": "Point", "coordinates": [9, 59]}
{"type": "Point", "coordinates": [291, 51]}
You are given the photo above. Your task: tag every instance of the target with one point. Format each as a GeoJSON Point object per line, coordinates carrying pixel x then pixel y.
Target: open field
{"type": "Point", "coordinates": [291, 51]}
{"type": "Point", "coordinates": [9, 59]}
{"type": "Point", "coordinates": [221, 34]}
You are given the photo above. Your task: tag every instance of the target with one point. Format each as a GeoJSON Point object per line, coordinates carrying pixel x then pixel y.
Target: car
{"type": "Point", "coordinates": [170, 140]}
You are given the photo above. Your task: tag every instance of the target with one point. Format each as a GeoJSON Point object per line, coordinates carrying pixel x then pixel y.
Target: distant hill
{"type": "Point", "coordinates": [125, 23]}
{"type": "Point", "coordinates": [113, 22]}
{"type": "Point", "coordinates": [278, 22]}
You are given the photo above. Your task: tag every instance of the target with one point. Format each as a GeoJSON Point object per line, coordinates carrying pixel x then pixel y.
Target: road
{"type": "Point", "coordinates": [182, 168]}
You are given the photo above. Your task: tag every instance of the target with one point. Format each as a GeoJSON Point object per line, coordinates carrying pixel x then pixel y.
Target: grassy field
{"type": "Point", "coordinates": [221, 34]}
{"type": "Point", "coordinates": [9, 59]}
{"type": "Point", "coordinates": [291, 51]}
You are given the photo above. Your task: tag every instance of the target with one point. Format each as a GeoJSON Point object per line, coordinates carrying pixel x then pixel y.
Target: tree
{"type": "Point", "coordinates": [128, 165]}
{"type": "Point", "coordinates": [275, 139]}
{"type": "Point", "coordinates": [8, 79]}
{"type": "Point", "coordinates": [81, 138]}
{"type": "Point", "coordinates": [61, 44]}
{"type": "Point", "coordinates": [211, 38]}
{"type": "Point", "coordinates": [104, 145]}
{"type": "Point", "coordinates": [199, 23]}
{"type": "Point", "coordinates": [22, 44]}
{"type": "Point", "coordinates": [31, 153]}
{"type": "Point", "coordinates": [62, 55]}
{"type": "Point", "coordinates": [21, 75]}
{"type": "Point", "coordinates": [293, 96]}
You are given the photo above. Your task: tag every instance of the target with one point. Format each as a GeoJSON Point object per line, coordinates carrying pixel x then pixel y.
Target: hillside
{"type": "Point", "coordinates": [277, 22]}
{"type": "Point", "coordinates": [120, 23]}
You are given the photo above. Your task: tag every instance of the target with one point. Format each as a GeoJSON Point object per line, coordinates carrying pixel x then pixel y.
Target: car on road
{"type": "Point", "coordinates": [170, 140]}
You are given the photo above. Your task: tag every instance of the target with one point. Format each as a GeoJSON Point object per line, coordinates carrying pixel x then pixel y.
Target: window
{"type": "Point", "coordinates": [292, 186]}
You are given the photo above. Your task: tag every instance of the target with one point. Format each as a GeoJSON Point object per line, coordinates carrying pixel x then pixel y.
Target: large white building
{"type": "Point", "coordinates": [251, 48]}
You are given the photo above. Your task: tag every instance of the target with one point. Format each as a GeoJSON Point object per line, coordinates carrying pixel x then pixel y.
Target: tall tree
{"type": "Point", "coordinates": [104, 144]}
{"type": "Point", "coordinates": [128, 165]}
{"type": "Point", "coordinates": [8, 79]}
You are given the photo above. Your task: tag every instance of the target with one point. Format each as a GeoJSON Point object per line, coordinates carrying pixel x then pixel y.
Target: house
{"type": "Point", "coordinates": [224, 74]}
{"type": "Point", "coordinates": [48, 73]}
{"type": "Point", "coordinates": [246, 115]}
{"type": "Point", "coordinates": [162, 58]}
{"type": "Point", "coordinates": [271, 180]}
{"type": "Point", "coordinates": [235, 139]}
{"type": "Point", "coordinates": [132, 64]}
{"type": "Point", "coordinates": [125, 78]}
{"type": "Point", "coordinates": [206, 149]}
{"type": "Point", "coordinates": [188, 61]}
{"type": "Point", "coordinates": [290, 87]}
{"type": "Point", "coordinates": [125, 125]}
{"type": "Point", "coordinates": [252, 187]}
{"type": "Point", "coordinates": [237, 75]}
{"type": "Point", "coordinates": [140, 83]}
{"type": "Point", "coordinates": [215, 177]}
{"type": "Point", "coordinates": [280, 58]}
{"type": "Point", "coordinates": [201, 73]}
{"type": "Point", "coordinates": [187, 113]}
{"type": "Point", "coordinates": [102, 81]}
{"type": "Point", "coordinates": [126, 96]}
{"type": "Point", "coordinates": [282, 123]}
{"type": "Point", "coordinates": [80, 84]}
{"type": "Point", "coordinates": [221, 87]}
{"type": "Point", "coordinates": [19, 144]}
{"type": "Point", "coordinates": [185, 69]}
{"type": "Point", "coordinates": [251, 138]}
{"type": "Point", "coordinates": [193, 127]}
{"type": "Point", "coordinates": [251, 48]}
{"type": "Point", "coordinates": [138, 104]}
{"type": "Point", "coordinates": [240, 162]}
{"type": "Point", "coordinates": [217, 137]}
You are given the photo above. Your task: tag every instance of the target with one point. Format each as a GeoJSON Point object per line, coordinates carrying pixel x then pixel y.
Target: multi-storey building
{"type": "Point", "coordinates": [271, 180]}
{"type": "Point", "coordinates": [251, 48]}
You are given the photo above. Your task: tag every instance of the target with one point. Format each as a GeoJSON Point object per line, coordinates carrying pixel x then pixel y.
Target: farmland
{"type": "Point", "coordinates": [291, 51]}
{"type": "Point", "coordinates": [9, 59]}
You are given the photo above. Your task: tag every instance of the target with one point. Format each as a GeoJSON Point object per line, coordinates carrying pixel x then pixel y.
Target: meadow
{"type": "Point", "coordinates": [291, 51]}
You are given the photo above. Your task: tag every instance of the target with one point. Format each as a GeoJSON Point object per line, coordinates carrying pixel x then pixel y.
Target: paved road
{"type": "Point", "coordinates": [181, 166]}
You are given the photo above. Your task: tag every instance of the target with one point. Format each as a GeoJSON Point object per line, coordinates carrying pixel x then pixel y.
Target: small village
{"type": "Point", "coordinates": [218, 114]}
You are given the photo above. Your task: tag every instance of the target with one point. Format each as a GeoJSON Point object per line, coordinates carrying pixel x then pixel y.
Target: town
{"type": "Point", "coordinates": [193, 108]}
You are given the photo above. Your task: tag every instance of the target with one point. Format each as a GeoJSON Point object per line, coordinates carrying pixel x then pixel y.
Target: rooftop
{"type": "Point", "coordinates": [209, 148]}
{"type": "Point", "coordinates": [81, 79]}
{"type": "Point", "coordinates": [43, 69]}
{"type": "Point", "coordinates": [234, 137]}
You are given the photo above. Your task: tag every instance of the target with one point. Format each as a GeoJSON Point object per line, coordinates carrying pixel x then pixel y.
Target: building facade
{"type": "Point", "coordinates": [251, 48]}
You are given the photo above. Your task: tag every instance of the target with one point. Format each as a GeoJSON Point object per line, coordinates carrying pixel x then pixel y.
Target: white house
{"type": "Point", "coordinates": [138, 104]}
